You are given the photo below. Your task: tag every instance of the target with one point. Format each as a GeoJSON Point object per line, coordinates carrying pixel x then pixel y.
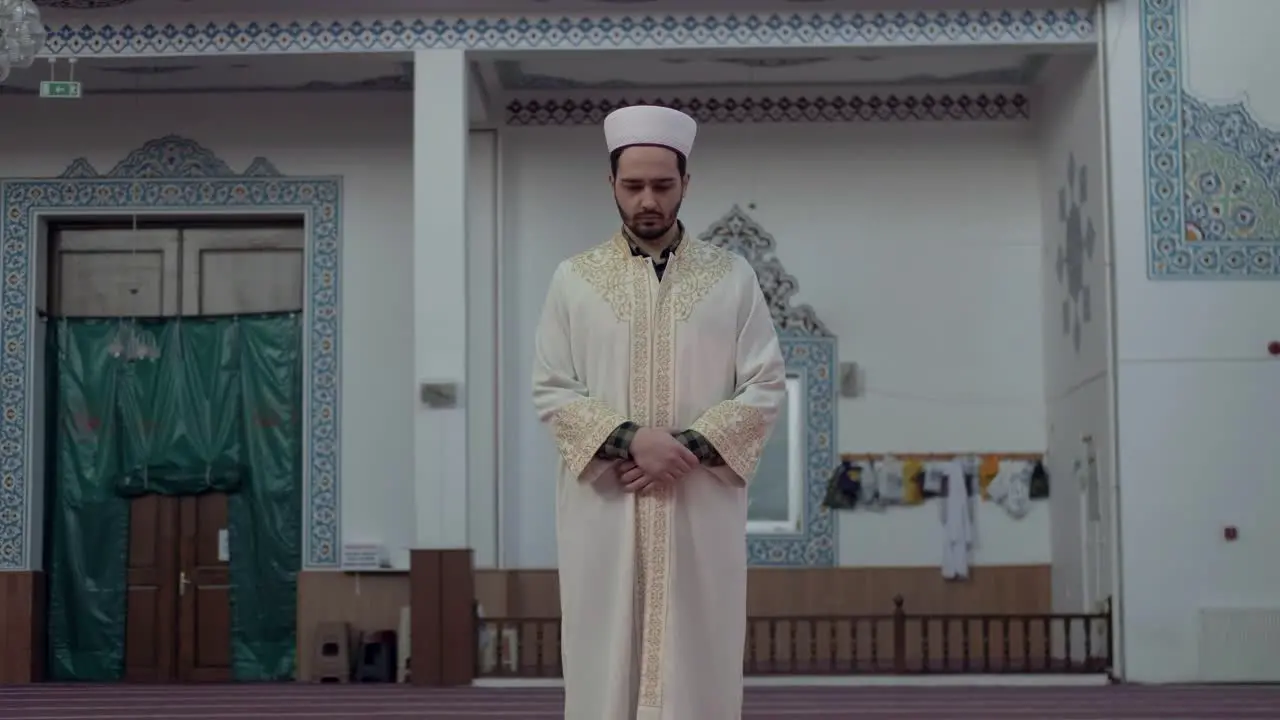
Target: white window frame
{"type": "Point", "coordinates": [796, 421]}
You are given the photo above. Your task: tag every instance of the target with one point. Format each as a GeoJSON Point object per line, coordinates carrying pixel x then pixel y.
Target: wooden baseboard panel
{"type": "Point", "coordinates": [372, 601]}
{"type": "Point", "coordinates": [814, 591]}
{"type": "Point", "coordinates": [367, 602]}
{"type": "Point", "coordinates": [22, 627]}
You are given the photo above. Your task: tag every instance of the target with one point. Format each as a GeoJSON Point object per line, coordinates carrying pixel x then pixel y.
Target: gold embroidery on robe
{"type": "Point", "coordinates": [652, 528]}
{"type": "Point", "coordinates": [699, 268]}
{"type": "Point", "coordinates": [738, 432]}
{"type": "Point", "coordinates": [605, 268]}
{"type": "Point", "coordinates": [580, 428]}
{"type": "Point", "coordinates": [692, 272]}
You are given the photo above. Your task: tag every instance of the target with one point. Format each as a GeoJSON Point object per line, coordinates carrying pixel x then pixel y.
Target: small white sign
{"type": "Point", "coordinates": [224, 545]}
{"type": "Point", "coordinates": [357, 556]}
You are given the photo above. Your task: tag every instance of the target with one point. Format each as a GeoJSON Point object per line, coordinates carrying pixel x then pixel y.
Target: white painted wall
{"type": "Point", "coordinates": [1077, 378]}
{"type": "Point", "coordinates": [919, 245]}
{"type": "Point", "coordinates": [948, 365]}
{"type": "Point", "coordinates": [1196, 388]}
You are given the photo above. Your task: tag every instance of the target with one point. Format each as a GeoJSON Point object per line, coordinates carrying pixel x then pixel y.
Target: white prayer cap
{"type": "Point", "coordinates": [650, 125]}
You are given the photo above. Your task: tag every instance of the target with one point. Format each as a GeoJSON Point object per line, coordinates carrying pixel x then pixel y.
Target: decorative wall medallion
{"type": "Point", "coordinates": [173, 174]}
{"type": "Point", "coordinates": [361, 33]}
{"type": "Point", "coordinates": [1079, 239]}
{"type": "Point", "coordinates": [813, 108]}
{"type": "Point", "coordinates": [1213, 183]}
{"type": "Point", "coordinates": [809, 349]}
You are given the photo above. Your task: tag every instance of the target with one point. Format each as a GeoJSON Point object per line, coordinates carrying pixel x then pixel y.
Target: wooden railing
{"type": "Point", "coordinates": [892, 643]}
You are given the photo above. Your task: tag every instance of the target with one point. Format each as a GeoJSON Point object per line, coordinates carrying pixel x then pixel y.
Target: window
{"type": "Point", "coordinates": [776, 495]}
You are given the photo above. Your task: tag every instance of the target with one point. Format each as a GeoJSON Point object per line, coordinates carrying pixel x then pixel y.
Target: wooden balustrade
{"type": "Point", "coordinates": [893, 643]}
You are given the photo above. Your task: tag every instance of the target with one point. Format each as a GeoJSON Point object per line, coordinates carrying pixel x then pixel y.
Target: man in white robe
{"type": "Point", "coordinates": [658, 370]}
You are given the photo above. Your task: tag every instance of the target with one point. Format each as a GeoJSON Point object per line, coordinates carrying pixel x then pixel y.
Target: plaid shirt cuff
{"type": "Point", "coordinates": [618, 445]}
{"type": "Point", "coordinates": [700, 446]}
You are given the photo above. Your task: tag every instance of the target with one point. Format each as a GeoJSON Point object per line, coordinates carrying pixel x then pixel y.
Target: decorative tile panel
{"type": "Point", "coordinates": [1053, 26]}
{"type": "Point", "coordinates": [809, 350]}
{"type": "Point", "coordinates": [172, 175]}
{"type": "Point", "coordinates": [1075, 251]}
{"type": "Point", "coordinates": [799, 108]}
{"type": "Point", "coordinates": [1212, 171]}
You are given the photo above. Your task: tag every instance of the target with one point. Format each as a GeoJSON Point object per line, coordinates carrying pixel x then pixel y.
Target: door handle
{"type": "Point", "coordinates": [183, 582]}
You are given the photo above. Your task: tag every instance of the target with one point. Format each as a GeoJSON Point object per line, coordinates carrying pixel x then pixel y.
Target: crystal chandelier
{"type": "Point", "coordinates": [131, 344]}
{"type": "Point", "coordinates": [22, 35]}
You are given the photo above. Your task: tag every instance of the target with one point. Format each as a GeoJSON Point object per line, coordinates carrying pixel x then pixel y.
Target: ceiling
{"type": "Point", "coordinates": [543, 72]}
{"type": "Point", "coordinates": [386, 71]}
{"type": "Point", "coordinates": [546, 72]}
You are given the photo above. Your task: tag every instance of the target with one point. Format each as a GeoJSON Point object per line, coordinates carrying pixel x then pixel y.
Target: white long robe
{"type": "Point", "coordinates": [653, 586]}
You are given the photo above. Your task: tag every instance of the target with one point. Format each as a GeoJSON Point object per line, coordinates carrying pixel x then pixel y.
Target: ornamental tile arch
{"type": "Point", "coordinates": [174, 175]}
{"type": "Point", "coordinates": [1212, 171]}
{"type": "Point", "coordinates": [371, 33]}
{"type": "Point", "coordinates": [809, 349]}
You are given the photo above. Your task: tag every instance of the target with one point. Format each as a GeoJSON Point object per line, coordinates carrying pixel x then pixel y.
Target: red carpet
{"type": "Point", "coordinates": [352, 702]}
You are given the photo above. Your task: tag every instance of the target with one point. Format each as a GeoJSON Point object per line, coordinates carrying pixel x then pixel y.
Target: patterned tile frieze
{"type": "Point", "coordinates": [172, 175]}
{"type": "Point", "coordinates": [1212, 171]}
{"type": "Point", "coordinates": [264, 35]}
{"type": "Point", "coordinates": [799, 108]}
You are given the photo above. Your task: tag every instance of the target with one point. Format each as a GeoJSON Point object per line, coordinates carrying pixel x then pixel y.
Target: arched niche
{"type": "Point", "coordinates": [169, 176]}
{"type": "Point", "coordinates": [806, 535]}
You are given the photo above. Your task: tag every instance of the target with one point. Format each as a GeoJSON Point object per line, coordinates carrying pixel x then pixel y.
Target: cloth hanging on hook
{"type": "Point", "coordinates": [912, 482]}
{"type": "Point", "coordinates": [1039, 482]}
{"type": "Point", "coordinates": [957, 522]}
{"type": "Point", "coordinates": [1011, 488]}
{"type": "Point", "coordinates": [890, 481]}
{"type": "Point", "coordinates": [988, 468]}
{"type": "Point", "coordinates": [844, 487]}
{"type": "Point", "coordinates": [869, 497]}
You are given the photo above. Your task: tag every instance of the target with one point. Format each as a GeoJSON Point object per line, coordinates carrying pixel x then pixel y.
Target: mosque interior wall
{"type": "Point", "coordinates": [1194, 123]}
{"type": "Point", "coordinates": [930, 249]}
{"type": "Point", "coordinates": [918, 242]}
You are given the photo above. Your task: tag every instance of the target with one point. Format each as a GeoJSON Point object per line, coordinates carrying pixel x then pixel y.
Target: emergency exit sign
{"type": "Point", "coordinates": [59, 89]}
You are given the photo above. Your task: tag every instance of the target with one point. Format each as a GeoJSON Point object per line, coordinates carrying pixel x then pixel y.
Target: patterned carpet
{"type": "Point", "coordinates": [352, 702]}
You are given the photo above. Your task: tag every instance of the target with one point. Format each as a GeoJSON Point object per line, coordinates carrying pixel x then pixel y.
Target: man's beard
{"type": "Point", "coordinates": [651, 233]}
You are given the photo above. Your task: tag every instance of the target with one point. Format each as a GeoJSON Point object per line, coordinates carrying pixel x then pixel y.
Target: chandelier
{"type": "Point", "coordinates": [132, 344]}
{"type": "Point", "coordinates": [22, 35]}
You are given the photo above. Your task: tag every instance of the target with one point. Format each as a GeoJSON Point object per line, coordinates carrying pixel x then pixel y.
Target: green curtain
{"type": "Point", "coordinates": [215, 406]}
{"type": "Point", "coordinates": [88, 546]}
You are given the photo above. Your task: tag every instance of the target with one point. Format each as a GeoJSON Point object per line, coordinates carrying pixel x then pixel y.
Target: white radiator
{"type": "Point", "coordinates": [1239, 645]}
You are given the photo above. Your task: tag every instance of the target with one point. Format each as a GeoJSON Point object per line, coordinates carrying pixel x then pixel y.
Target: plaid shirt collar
{"type": "Point", "coordinates": [666, 253]}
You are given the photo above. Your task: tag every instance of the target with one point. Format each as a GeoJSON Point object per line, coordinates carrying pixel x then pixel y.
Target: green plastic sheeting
{"type": "Point", "coordinates": [214, 406]}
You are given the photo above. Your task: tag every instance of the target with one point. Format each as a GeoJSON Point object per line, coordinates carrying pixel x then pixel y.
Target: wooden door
{"type": "Point", "coordinates": [152, 599]}
{"type": "Point", "coordinates": [204, 602]}
{"type": "Point", "coordinates": [105, 273]}
{"type": "Point", "coordinates": [226, 271]}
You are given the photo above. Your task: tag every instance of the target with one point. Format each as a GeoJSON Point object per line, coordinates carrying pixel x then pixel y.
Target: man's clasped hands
{"type": "Point", "coordinates": [656, 457]}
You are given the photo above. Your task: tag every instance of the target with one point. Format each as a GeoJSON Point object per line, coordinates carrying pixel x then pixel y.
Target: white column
{"type": "Point", "coordinates": [440, 294]}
